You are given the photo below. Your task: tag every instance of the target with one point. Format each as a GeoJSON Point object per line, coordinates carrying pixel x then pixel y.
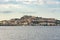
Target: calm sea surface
{"type": "Point", "coordinates": [30, 33]}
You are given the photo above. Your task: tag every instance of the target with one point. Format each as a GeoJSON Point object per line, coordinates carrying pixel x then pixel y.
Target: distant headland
{"type": "Point", "coordinates": [30, 21]}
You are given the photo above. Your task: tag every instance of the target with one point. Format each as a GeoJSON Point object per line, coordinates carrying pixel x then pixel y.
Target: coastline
{"type": "Point", "coordinates": [30, 21]}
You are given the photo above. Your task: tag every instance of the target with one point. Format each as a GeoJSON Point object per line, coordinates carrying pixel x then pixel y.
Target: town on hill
{"type": "Point", "coordinates": [30, 21]}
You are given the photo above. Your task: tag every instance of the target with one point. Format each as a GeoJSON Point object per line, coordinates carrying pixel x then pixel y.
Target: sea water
{"type": "Point", "coordinates": [29, 32]}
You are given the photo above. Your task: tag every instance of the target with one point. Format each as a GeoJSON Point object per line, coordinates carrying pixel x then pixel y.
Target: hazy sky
{"type": "Point", "coordinates": [17, 8]}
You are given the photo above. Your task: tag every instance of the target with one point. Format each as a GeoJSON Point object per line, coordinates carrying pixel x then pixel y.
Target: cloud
{"type": "Point", "coordinates": [9, 16]}
{"type": "Point", "coordinates": [6, 11]}
{"type": "Point", "coordinates": [42, 2]}
{"type": "Point", "coordinates": [39, 2]}
{"type": "Point", "coordinates": [25, 0]}
{"type": "Point", "coordinates": [53, 2]}
{"type": "Point", "coordinates": [28, 9]}
{"type": "Point", "coordinates": [49, 2]}
{"type": "Point", "coordinates": [10, 6]}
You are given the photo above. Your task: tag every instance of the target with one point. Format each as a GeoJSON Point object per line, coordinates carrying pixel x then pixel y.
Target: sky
{"type": "Point", "coordinates": [17, 8]}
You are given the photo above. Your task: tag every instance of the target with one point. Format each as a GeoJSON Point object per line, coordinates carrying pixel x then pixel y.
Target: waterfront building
{"type": "Point", "coordinates": [48, 21]}
{"type": "Point", "coordinates": [4, 22]}
{"type": "Point", "coordinates": [44, 21]}
{"type": "Point", "coordinates": [58, 22]}
{"type": "Point", "coordinates": [32, 21]}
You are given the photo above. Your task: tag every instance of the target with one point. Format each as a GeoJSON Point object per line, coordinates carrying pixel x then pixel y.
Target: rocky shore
{"type": "Point", "coordinates": [30, 21]}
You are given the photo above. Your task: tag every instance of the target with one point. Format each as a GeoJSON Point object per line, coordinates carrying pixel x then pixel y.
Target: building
{"type": "Point", "coordinates": [31, 21]}
{"type": "Point", "coordinates": [58, 22]}
{"type": "Point", "coordinates": [48, 21]}
{"type": "Point", "coordinates": [44, 22]}
{"type": "Point", "coordinates": [4, 22]}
